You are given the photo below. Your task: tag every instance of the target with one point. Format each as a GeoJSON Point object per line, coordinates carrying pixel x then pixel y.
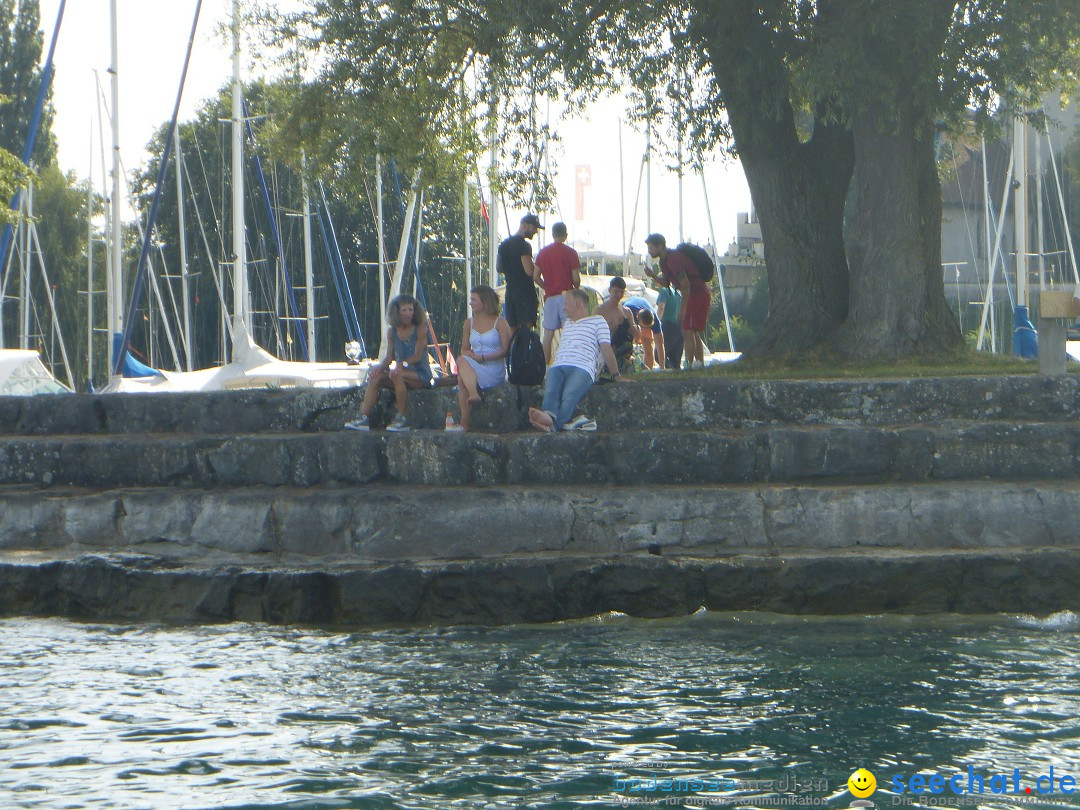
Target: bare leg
{"type": "Point", "coordinates": [695, 346]}
{"type": "Point", "coordinates": [468, 395]}
{"type": "Point", "coordinates": [401, 397]}
{"type": "Point", "coordinates": [647, 347]}
{"type": "Point", "coordinates": [661, 351]}
{"type": "Point", "coordinates": [376, 381]}
{"type": "Point", "coordinates": [467, 380]}
{"type": "Point", "coordinates": [548, 335]}
{"type": "Point", "coordinates": [690, 341]}
{"type": "Point", "coordinates": [463, 406]}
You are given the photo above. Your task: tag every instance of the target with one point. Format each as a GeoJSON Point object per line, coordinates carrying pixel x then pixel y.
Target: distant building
{"type": "Point", "coordinates": [743, 264]}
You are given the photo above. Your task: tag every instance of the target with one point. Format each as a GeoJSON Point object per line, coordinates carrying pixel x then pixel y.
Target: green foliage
{"type": "Point", "coordinates": [823, 365]}
{"type": "Point", "coordinates": [60, 212]}
{"type": "Point", "coordinates": [716, 337]}
{"type": "Point", "coordinates": [20, 80]}
{"type": "Point", "coordinates": [59, 273]}
{"type": "Point", "coordinates": [424, 78]}
{"type": "Point", "coordinates": [350, 188]}
{"type": "Point", "coordinates": [758, 310]}
{"type": "Point", "coordinates": [13, 176]}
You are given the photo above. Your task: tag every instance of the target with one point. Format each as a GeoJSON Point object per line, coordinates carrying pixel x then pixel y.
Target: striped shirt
{"type": "Point", "coordinates": [579, 345]}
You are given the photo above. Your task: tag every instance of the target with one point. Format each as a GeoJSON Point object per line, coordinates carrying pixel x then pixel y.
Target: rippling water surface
{"type": "Point", "coordinates": [529, 716]}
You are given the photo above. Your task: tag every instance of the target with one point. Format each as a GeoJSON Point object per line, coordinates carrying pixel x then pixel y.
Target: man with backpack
{"type": "Point", "coordinates": [678, 268]}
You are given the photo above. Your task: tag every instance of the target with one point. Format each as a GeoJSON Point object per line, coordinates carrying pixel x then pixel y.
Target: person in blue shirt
{"type": "Point", "coordinates": [651, 331]}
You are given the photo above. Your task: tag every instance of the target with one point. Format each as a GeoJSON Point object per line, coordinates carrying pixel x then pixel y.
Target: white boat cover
{"type": "Point", "coordinates": [252, 367]}
{"type": "Point", "coordinates": [23, 374]}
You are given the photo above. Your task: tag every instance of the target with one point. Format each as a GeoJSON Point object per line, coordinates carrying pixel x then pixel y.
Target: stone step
{"type": "Point", "coordinates": [289, 526]}
{"type": "Point", "coordinates": [653, 402]}
{"type": "Point", "coordinates": [940, 452]}
{"type": "Point", "coordinates": [507, 590]}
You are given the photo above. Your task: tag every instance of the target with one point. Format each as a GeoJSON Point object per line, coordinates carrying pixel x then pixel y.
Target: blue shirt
{"type": "Point", "coordinates": [637, 304]}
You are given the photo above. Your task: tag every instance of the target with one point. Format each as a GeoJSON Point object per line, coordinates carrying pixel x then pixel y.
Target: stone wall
{"type": "Point", "coordinates": [827, 497]}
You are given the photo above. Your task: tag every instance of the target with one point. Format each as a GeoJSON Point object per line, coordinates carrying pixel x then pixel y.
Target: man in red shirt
{"type": "Point", "coordinates": [556, 272]}
{"type": "Point", "coordinates": [678, 269]}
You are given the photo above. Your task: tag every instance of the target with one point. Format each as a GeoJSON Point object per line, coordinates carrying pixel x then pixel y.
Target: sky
{"type": "Point", "coordinates": [152, 38]}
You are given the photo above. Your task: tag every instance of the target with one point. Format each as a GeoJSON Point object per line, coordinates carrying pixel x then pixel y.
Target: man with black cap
{"type": "Point", "coordinates": [516, 265]}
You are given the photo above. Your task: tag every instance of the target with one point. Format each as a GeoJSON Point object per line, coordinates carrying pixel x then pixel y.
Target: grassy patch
{"type": "Point", "coordinates": [820, 366]}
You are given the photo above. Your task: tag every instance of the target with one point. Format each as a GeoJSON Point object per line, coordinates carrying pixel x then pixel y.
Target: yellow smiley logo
{"type": "Point", "coordinates": [862, 783]}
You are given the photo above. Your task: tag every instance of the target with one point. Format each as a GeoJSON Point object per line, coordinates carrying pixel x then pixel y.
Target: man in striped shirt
{"type": "Point", "coordinates": [585, 339]}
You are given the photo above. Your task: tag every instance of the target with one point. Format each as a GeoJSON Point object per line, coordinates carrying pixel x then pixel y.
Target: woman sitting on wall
{"type": "Point", "coordinates": [407, 339]}
{"type": "Point", "coordinates": [485, 342]}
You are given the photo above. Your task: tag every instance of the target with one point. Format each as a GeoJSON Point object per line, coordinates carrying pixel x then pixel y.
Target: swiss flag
{"type": "Point", "coordinates": [582, 178]}
{"type": "Point", "coordinates": [484, 211]}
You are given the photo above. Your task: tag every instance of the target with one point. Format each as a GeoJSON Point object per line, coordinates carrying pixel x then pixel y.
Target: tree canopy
{"type": "Point", "coordinates": [21, 42]}
{"type": "Point", "coordinates": [833, 106]}
{"type": "Point", "coordinates": [207, 202]}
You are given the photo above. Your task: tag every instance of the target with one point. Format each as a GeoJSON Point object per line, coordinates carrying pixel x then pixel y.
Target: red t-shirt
{"type": "Point", "coordinates": [557, 262]}
{"type": "Point", "coordinates": [675, 264]}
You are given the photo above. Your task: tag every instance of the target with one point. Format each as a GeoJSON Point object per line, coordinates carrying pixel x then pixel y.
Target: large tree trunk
{"type": "Point", "coordinates": [897, 305]}
{"type": "Point", "coordinates": [799, 187]}
{"type": "Point", "coordinates": [799, 195]}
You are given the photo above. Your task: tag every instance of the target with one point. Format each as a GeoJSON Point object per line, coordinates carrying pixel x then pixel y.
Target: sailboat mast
{"type": "Point", "coordinates": [90, 265]}
{"type": "Point", "coordinates": [25, 302]}
{"type": "Point", "coordinates": [468, 236]}
{"type": "Point", "coordinates": [493, 213]}
{"type": "Point", "coordinates": [383, 323]}
{"type": "Point", "coordinates": [309, 277]}
{"type": "Point", "coordinates": [184, 291]}
{"type": "Point", "coordinates": [241, 298]}
{"type": "Point", "coordinates": [115, 311]}
{"type": "Point", "coordinates": [1020, 209]}
{"type": "Point", "coordinates": [1040, 240]}
{"type": "Point", "coordinates": [648, 175]}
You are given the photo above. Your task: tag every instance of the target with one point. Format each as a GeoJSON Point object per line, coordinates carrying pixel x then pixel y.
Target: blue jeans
{"type": "Point", "coordinates": [563, 389]}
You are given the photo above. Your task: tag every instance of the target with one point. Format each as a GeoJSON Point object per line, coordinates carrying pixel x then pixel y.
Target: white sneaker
{"type": "Point", "coordinates": [399, 425]}
{"type": "Point", "coordinates": [360, 423]}
{"type": "Point", "coordinates": [580, 423]}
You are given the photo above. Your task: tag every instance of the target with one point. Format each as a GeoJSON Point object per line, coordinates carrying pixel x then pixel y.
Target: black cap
{"type": "Point", "coordinates": [655, 239]}
{"type": "Point", "coordinates": [532, 219]}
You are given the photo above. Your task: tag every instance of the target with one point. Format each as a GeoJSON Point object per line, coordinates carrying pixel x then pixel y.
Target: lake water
{"type": "Point", "coordinates": [568, 715]}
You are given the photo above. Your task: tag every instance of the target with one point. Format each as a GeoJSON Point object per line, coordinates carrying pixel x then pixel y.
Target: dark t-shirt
{"type": "Point", "coordinates": [509, 261]}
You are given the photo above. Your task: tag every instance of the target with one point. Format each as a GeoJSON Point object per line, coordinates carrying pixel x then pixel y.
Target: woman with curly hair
{"type": "Point", "coordinates": [406, 364]}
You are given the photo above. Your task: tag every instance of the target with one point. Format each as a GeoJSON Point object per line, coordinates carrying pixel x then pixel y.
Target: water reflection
{"type": "Point", "coordinates": [251, 716]}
